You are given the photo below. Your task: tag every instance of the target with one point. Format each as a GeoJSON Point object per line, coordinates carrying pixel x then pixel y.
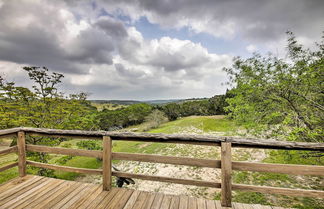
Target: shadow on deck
{"type": "Point", "coordinates": [42, 192]}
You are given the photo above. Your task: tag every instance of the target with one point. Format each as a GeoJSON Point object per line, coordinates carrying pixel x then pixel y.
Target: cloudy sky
{"type": "Point", "coordinates": [146, 49]}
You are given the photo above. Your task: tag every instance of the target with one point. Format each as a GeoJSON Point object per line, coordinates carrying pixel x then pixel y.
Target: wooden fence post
{"type": "Point", "coordinates": [21, 144]}
{"type": "Point", "coordinates": [106, 163]}
{"type": "Point", "coordinates": [226, 175]}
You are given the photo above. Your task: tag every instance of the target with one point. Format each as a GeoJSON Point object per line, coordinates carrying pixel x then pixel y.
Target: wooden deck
{"type": "Point", "coordinates": [42, 192]}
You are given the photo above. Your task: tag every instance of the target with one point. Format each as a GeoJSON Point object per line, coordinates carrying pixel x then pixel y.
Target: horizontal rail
{"type": "Point", "coordinates": [166, 159]}
{"type": "Point", "coordinates": [9, 150]}
{"type": "Point", "coordinates": [64, 151]}
{"type": "Point", "coordinates": [279, 168]}
{"type": "Point", "coordinates": [167, 179]}
{"type": "Point", "coordinates": [280, 190]}
{"type": "Point", "coordinates": [212, 140]}
{"type": "Point", "coordinates": [6, 167]}
{"type": "Point", "coordinates": [241, 166]}
{"type": "Point", "coordinates": [64, 168]}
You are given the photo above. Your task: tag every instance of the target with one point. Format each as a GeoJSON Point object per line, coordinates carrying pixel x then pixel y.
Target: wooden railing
{"type": "Point", "coordinates": [225, 163]}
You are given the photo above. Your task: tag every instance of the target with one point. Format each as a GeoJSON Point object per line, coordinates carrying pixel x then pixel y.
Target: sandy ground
{"type": "Point", "coordinates": [183, 172]}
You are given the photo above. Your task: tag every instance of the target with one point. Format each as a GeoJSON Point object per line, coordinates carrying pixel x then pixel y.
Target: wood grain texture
{"type": "Point", "coordinates": [226, 174]}
{"type": "Point", "coordinates": [64, 151]}
{"type": "Point", "coordinates": [42, 192]}
{"type": "Point", "coordinates": [21, 144]}
{"type": "Point", "coordinates": [106, 163]}
{"type": "Point", "coordinates": [167, 179]}
{"type": "Point", "coordinates": [8, 150]}
{"type": "Point", "coordinates": [65, 168]}
{"type": "Point", "coordinates": [167, 159]}
{"type": "Point", "coordinates": [211, 140]}
{"type": "Point", "coordinates": [279, 168]}
{"type": "Point", "coordinates": [279, 190]}
{"type": "Point", "coordinates": [6, 167]}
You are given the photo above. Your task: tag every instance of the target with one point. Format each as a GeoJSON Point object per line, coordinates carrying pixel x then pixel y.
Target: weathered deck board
{"type": "Point", "coordinates": [41, 192]}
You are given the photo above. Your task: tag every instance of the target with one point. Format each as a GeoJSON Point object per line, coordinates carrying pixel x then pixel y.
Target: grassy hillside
{"type": "Point", "coordinates": [199, 125]}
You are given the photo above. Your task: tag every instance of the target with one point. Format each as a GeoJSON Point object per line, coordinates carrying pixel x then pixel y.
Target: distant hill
{"type": "Point", "coordinates": [130, 102]}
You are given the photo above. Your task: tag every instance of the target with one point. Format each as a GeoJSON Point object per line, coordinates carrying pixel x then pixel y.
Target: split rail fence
{"type": "Point", "coordinates": [225, 163]}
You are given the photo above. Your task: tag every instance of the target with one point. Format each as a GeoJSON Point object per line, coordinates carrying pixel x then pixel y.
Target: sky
{"type": "Point", "coordinates": [146, 49]}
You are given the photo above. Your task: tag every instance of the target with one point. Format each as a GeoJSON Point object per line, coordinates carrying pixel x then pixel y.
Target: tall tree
{"type": "Point", "coordinates": [43, 106]}
{"type": "Point", "coordinates": [281, 94]}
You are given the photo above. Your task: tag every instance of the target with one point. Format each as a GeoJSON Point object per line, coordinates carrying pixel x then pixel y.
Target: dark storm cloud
{"type": "Point", "coordinates": [97, 52]}
{"type": "Point", "coordinates": [253, 19]}
{"type": "Point", "coordinates": [29, 36]}
{"type": "Point", "coordinates": [112, 27]}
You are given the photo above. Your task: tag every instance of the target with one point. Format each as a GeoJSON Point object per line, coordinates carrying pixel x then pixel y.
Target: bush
{"type": "Point", "coordinates": [155, 119]}
{"type": "Point", "coordinates": [89, 145]}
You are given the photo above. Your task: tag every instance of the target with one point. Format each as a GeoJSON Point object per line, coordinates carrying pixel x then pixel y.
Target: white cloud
{"type": "Point", "coordinates": [251, 48]}
{"type": "Point", "coordinates": [112, 59]}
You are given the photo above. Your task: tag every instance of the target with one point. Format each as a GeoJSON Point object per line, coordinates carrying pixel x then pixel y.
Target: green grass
{"type": "Point", "coordinates": [5, 160]}
{"type": "Point", "coordinates": [78, 162]}
{"type": "Point", "coordinates": [205, 123]}
{"type": "Point", "coordinates": [198, 124]}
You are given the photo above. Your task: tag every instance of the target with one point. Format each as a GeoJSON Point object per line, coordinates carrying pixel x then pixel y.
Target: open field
{"type": "Point", "coordinates": [191, 125]}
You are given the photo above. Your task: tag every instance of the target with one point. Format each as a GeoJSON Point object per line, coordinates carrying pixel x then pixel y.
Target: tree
{"type": "Point", "coordinates": [287, 94]}
{"type": "Point", "coordinates": [43, 106]}
{"type": "Point", "coordinates": [155, 119]}
{"type": "Point", "coordinates": [123, 117]}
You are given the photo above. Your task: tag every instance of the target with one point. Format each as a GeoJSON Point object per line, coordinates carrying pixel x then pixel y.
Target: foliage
{"type": "Point", "coordinates": [89, 145]}
{"type": "Point", "coordinates": [155, 118]}
{"type": "Point", "coordinates": [212, 106]}
{"type": "Point", "coordinates": [123, 117]}
{"type": "Point", "coordinates": [250, 198]}
{"type": "Point", "coordinates": [280, 95]}
{"type": "Point", "coordinates": [43, 106]}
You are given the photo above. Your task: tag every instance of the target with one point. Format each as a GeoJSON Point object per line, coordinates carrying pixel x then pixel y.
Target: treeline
{"type": "Point", "coordinates": [138, 113]}
{"type": "Point", "coordinates": [212, 106]}
{"type": "Point", "coordinates": [122, 117]}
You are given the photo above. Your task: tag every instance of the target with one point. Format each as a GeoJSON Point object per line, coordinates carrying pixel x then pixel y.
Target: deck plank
{"type": "Point", "coordinates": [27, 195]}
{"type": "Point", "coordinates": [210, 204]}
{"type": "Point", "coordinates": [113, 195]}
{"type": "Point", "coordinates": [132, 199]}
{"type": "Point", "coordinates": [201, 203]}
{"type": "Point", "coordinates": [183, 204]}
{"type": "Point", "coordinates": [218, 205]}
{"type": "Point", "coordinates": [88, 200]}
{"type": "Point", "coordinates": [149, 200]}
{"type": "Point", "coordinates": [10, 191]}
{"type": "Point", "coordinates": [175, 202]}
{"type": "Point", "coordinates": [157, 201]}
{"type": "Point", "coordinates": [76, 196]}
{"type": "Point", "coordinates": [42, 192]}
{"type": "Point", "coordinates": [192, 203]}
{"type": "Point", "coordinates": [68, 187]}
{"type": "Point", "coordinates": [121, 203]}
{"type": "Point", "coordinates": [14, 193]}
{"type": "Point", "coordinates": [14, 182]}
{"type": "Point", "coordinates": [140, 201]}
{"type": "Point", "coordinates": [166, 202]}
{"type": "Point", "coordinates": [97, 200]}
{"type": "Point", "coordinates": [68, 197]}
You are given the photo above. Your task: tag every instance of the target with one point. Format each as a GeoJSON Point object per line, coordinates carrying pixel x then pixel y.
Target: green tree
{"type": "Point", "coordinates": [283, 95]}
{"type": "Point", "coordinates": [43, 107]}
